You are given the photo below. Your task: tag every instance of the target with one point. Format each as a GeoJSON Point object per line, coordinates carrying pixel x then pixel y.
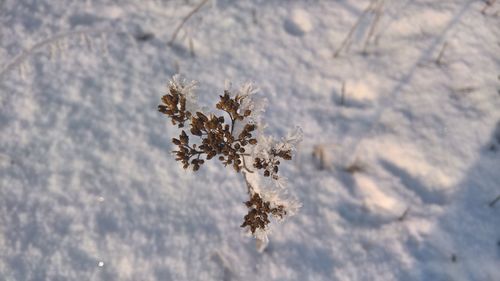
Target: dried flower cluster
{"type": "Point", "coordinates": [174, 105]}
{"type": "Point", "coordinates": [232, 140]}
{"type": "Point", "coordinates": [216, 136]}
{"type": "Point", "coordinates": [270, 165]}
{"type": "Point", "coordinates": [260, 210]}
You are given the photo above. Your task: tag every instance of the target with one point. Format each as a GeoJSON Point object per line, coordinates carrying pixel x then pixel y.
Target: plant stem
{"type": "Point", "coordinates": [245, 165]}
{"type": "Point", "coordinates": [185, 19]}
{"type": "Point", "coordinates": [250, 189]}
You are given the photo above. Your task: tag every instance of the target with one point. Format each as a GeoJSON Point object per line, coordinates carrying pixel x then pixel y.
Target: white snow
{"type": "Point", "coordinates": [90, 191]}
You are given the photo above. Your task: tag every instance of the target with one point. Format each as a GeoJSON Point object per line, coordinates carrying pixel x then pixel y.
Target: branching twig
{"type": "Point", "coordinates": [185, 19]}
{"type": "Point", "coordinates": [351, 32]}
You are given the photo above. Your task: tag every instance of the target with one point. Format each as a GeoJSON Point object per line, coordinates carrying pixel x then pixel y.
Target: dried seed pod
{"type": "Point", "coordinates": [184, 138]}
{"type": "Point", "coordinates": [196, 131]}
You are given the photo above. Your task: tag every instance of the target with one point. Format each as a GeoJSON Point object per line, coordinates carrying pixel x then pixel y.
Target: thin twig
{"type": "Point", "coordinates": [492, 203]}
{"type": "Point", "coordinates": [441, 53]}
{"type": "Point", "coordinates": [245, 165]}
{"type": "Point", "coordinates": [250, 188]}
{"type": "Point", "coordinates": [405, 213]}
{"type": "Point", "coordinates": [375, 22]}
{"type": "Point", "coordinates": [191, 46]}
{"type": "Point", "coordinates": [185, 19]}
{"type": "Point", "coordinates": [319, 153]}
{"type": "Point", "coordinates": [342, 94]}
{"type": "Point", "coordinates": [353, 28]}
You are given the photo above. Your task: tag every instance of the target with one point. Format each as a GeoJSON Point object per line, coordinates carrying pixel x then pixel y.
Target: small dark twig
{"type": "Point", "coordinates": [191, 47]}
{"type": "Point", "coordinates": [319, 153]}
{"type": "Point", "coordinates": [405, 213]}
{"type": "Point", "coordinates": [492, 203]}
{"type": "Point", "coordinates": [342, 94]}
{"type": "Point", "coordinates": [441, 53]}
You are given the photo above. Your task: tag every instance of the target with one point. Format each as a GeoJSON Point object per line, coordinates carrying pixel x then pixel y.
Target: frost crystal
{"type": "Point", "coordinates": [187, 89]}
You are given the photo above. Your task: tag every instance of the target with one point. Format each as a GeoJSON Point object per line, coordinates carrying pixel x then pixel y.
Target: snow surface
{"type": "Point", "coordinates": [395, 174]}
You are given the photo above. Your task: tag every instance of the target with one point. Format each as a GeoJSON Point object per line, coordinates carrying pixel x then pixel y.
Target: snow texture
{"type": "Point", "coordinates": [399, 101]}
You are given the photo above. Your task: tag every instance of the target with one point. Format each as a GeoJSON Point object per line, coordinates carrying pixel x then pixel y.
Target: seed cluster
{"type": "Point", "coordinates": [270, 165]}
{"type": "Point", "coordinates": [174, 105]}
{"type": "Point", "coordinates": [232, 106]}
{"type": "Point", "coordinates": [259, 212]}
{"type": "Point", "coordinates": [216, 135]}
{"type": "Point", "coordinates": [218, 139]}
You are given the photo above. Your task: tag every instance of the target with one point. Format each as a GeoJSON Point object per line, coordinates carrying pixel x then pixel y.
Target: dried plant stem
{"type": "Point", "coordinates": [492, 203]}
{"type": "Point", "coordinates": [378, 15]}
{"type": "Point", "coordinates": [185, 19]}
{"type": "Point", "coordinates": [250, 189]}
{"type": "Point", "coordinates": [319, 153]}
{"type": "Point", "coordinates": [347, 39]}
{"type": "Point", "coordinates": [191, 47]}
{"type": "Point", "coordinates": [405, 213]}
{"type": "Point", "coordinates": [441, 53]}
{"type": "Point", "coordinates": [245, 165]}
{"type": "Point", "coordinates": [342, 94]}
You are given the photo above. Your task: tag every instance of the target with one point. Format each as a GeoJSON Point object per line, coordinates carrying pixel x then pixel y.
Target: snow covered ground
{"type": "Point", "coordinates": [398, 167]}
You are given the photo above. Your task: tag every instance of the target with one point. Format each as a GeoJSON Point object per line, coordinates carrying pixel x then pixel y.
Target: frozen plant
{"type": "Point", "coordinates": [236, 138]}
